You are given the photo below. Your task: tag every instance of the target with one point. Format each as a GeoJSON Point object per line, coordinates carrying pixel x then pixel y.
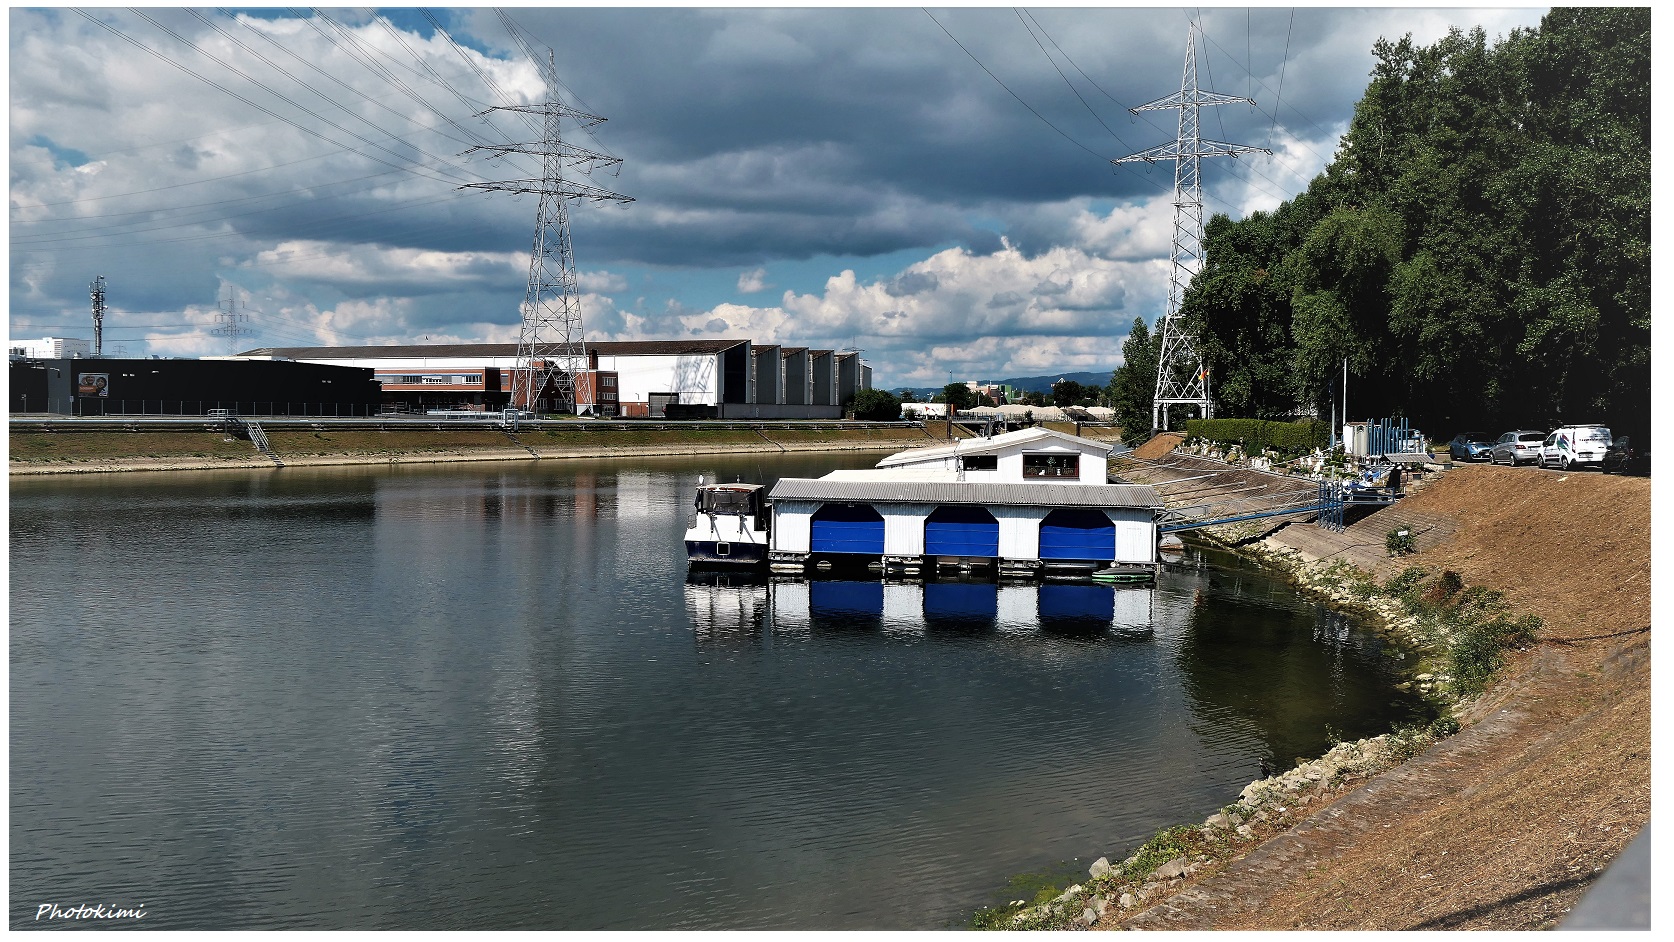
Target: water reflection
{"type": "Point", "coordinates": [1296, 675]}
{"type": "Point", "coordinates": [733, 606]}
{"type": "Point", "coordinates": [486, 697]}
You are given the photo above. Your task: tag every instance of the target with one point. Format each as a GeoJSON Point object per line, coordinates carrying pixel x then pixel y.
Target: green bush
{"type": "Point", "coordinates": [1479, 650]}
{"type": "Point", "coordinates": [1400, 543]}
{"type": "Point", "coordinates": [1408, 579]}
{"type": "Point", "coordinates": [876, 405]}
{"type": "Point", "coordinates": [1289, 439]}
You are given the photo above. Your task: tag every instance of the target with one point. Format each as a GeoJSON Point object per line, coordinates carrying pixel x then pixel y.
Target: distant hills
{"type": "Point", "coordinates": [1040, 384]}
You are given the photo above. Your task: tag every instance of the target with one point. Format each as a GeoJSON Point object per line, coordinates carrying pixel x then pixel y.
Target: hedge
{"type": "Point", "coordinates": [1286, 438]}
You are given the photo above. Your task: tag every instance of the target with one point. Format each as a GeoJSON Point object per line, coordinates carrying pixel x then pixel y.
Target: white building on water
{"type": "Point", "coordinates": [1023, 502]}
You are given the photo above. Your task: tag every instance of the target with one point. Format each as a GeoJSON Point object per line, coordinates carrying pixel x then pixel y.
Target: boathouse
{"type": "Point", "coordinates": [1023, 503]}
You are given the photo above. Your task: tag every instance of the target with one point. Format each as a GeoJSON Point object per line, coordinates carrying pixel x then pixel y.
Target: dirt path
{"type": "Point", "coordinates": [1504, 825]}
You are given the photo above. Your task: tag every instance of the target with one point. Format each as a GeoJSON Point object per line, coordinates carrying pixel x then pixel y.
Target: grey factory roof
{"type": "Point", "coordinates": [1139, 496]}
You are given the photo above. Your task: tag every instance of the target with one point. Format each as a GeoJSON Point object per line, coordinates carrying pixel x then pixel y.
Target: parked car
{"type": "Point", "coordinates": [1470, 446]}
{"type": "Point", "coordinates": [1575, 446]}
{"type": "Point", "coordinates": [1514, 448]}
{"type": "Point", "coordinates": [1621, 456]}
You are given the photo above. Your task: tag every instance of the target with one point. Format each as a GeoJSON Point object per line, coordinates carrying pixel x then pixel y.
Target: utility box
{"type": "Point", "coordinates": [1355, 440]}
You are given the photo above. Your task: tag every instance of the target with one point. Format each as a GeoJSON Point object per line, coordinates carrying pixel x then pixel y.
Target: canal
{"type": "Point", "coordinates": [488, 696]}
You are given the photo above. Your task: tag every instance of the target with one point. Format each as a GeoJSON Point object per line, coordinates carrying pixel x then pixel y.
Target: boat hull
{"type": "Point", "coordinates": [722, 553]}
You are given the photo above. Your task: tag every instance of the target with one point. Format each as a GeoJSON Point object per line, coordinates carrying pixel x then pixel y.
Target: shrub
{"type": "Point", "coordinates": [1400, 543]}
{"type": "Point", "coordinates": [1167, 845]}
{"type": "Point", "coordinates": [1479, 648]}
{"type": "Point", "coordinates": [1257, 436]}
{"type": "Point", "coordinates": [1408, 579]}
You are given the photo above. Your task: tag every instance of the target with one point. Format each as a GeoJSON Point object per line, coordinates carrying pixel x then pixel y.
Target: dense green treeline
{"type": "Point", "coordinates": [1478, 249]}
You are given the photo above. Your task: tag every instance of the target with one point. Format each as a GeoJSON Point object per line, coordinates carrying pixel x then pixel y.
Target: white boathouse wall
{"type": "Point", "coordinates": [793, 525]}
{"type": "Point", "coordinates": [1135, 530]}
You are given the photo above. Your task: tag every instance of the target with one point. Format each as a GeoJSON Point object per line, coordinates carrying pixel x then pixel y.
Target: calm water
{"type": "Point", "coordinates": [488, 696]}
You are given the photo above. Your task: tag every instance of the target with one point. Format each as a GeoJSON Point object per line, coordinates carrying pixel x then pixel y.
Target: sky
{"type": "Point", "coordinates": [933, 186]}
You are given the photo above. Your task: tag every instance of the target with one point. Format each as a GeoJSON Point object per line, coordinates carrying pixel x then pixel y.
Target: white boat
{"type": "Point", "coordinates": [729, 525]}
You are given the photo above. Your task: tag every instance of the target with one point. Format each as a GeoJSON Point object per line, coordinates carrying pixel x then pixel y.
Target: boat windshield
{"type": "Point", "coordinates": [722, 501]}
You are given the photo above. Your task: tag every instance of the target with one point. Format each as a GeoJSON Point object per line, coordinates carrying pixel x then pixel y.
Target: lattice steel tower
{"type": "Point", "coordinates": [551, 347]}
{"type": "Point", "coordinates": [1182, 376]}
{"type": "Point", "coordinates": [230, 323]}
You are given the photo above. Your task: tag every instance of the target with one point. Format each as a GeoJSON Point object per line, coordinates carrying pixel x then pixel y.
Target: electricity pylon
{"type": "Point", "coordinates": [551, 347]}
{"type": "Point", "coordinates": [1182, 376]}
{"type": "Point", "coordinates": [231, 324]}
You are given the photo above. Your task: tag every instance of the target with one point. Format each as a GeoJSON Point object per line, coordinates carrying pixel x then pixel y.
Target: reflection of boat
{"type": "Point", "coordinates": [729, 525]}
{"type": "Point", "coordinates": [726, 604]}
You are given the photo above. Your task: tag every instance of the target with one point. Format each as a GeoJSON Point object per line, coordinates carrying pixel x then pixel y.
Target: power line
{"type": "Point", "coordinates": [241, 98]}
{"type": "Point", "coordinates": [1013, 94]}
{"type": "Point", "coordinates": [1158, 184]}
{"type": "Point", "coordinates": [293, 103]}
{"type": "Point", "coordinates": [1061, 75]}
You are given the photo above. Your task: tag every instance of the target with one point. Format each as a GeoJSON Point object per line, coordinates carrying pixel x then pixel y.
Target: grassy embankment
{"type": "Point", "coordinates": [1497, 817]}
{"type": "Point", "coordinates": [67, 450]}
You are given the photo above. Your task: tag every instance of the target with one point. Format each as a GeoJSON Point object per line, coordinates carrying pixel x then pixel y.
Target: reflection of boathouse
{"type": "Point", "coordinates": [1022, 502]}
{"type": "Point", "coordinates": [730, 606]}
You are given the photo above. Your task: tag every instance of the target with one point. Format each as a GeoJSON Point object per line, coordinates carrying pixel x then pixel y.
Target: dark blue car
{"type": "Point", "coordinates": [1471, 446]}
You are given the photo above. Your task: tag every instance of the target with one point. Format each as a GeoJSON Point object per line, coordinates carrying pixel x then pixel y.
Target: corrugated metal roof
{"type": "Point", "coordinates": [1138, 496]}
{"type": "Point", "coordinates": [622, 348]}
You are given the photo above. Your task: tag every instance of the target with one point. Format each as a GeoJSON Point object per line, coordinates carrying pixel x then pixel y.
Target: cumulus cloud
{"type": "Point", "coordinates": [904, 202]}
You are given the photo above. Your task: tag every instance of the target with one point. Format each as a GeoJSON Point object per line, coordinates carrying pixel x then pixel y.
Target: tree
{"type": "Point", "coordinates": [958, 396]}
{"type": "Point", "coordinates": [1133, 385]}
{"type": "Point", "coordinates": [1068, 392]}
{"type": "Point", "coordinates": [876, 405]}
{"type": "Point", "coordinates": [1478, 249]}
{"type": "Point", "coordinates": [908, 395]}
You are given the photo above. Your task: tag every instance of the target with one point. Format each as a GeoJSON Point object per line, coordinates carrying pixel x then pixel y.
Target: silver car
{"type": "Point", "coordinates": [1514, 448]}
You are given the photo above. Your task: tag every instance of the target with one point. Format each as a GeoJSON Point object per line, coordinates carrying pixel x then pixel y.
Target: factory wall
{"type": "Point", "coordinates": [109, 386]}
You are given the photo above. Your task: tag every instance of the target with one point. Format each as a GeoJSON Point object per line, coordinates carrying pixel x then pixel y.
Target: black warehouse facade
{"type": "Point", "coordinates": [103, 386]}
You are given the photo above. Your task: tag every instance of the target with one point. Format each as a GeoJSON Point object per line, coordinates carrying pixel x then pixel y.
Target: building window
{"type": "Point", "coordinates": [979, 463]}
{"type": "Point", "coordinates": [1051, 466]}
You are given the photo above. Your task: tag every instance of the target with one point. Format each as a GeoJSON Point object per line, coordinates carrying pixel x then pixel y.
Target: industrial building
{"type": "Point", "coordinates": [120, 386]}
{"type": "Point", "coordinates": [725, 379]}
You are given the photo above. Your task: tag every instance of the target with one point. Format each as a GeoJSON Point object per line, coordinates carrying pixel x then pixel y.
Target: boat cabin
{"type": "Point", "coordinates": [1028, 456]}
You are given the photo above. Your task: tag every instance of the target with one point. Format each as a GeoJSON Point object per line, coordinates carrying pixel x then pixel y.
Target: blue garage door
{"type": "Point", "coordinates": [847, 528]}
{"type": "Point", "coordinates": [1077, 534]}
{"type": "Point", "coordinates": [961, 531]}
